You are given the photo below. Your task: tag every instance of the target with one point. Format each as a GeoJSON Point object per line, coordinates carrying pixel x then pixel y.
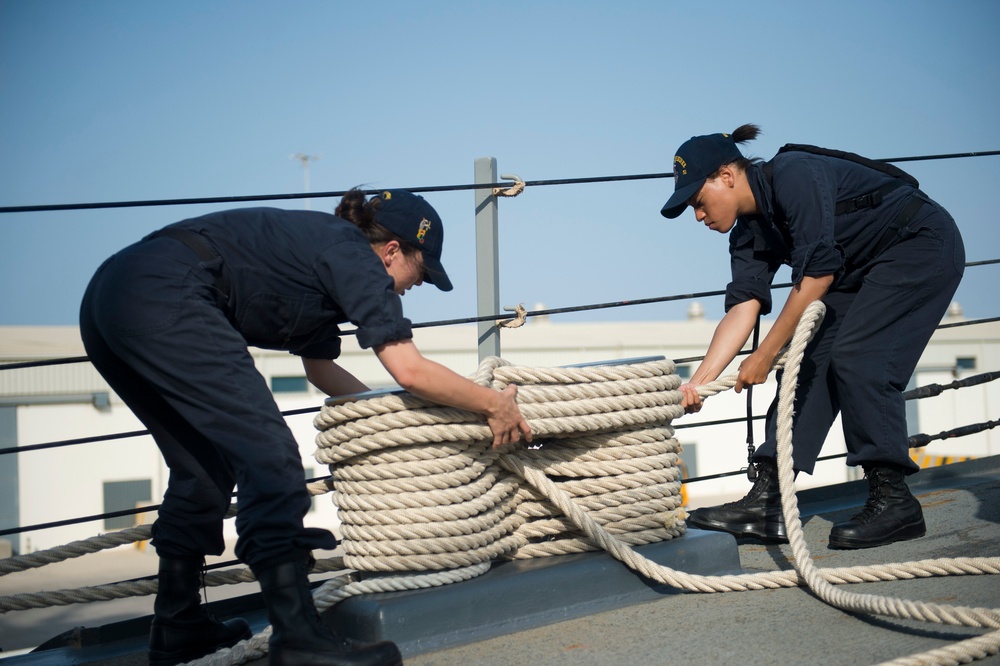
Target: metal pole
{"type": "Point", "coordinates": [305, 159]}
{"type": "Point", "coordinates": [487, 258]}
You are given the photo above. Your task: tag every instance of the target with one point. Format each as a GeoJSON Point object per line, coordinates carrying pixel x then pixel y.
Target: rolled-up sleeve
{"type": "Point", "coordinates": [752, 269]}
{"type": "Point", "coordinates": [358, 284]}
{"type": "Point", "coordinates": [383, 323]}
{"type": "Point", "coordinates": [324, 344]}
{"type": "Point", "coordinates": [820, 258]}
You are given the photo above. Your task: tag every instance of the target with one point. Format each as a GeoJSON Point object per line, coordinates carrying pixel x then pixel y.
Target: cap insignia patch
{"type": "Point", "coordinates": [680, 166]}
{"type": "Point", "coordinates": [425, 226]}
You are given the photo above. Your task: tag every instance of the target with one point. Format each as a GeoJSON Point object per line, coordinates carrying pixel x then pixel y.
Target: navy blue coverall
{"type": "Point", "coordinates": [168, 326]}
{"type": "Point", "coordinates": [884, 304]}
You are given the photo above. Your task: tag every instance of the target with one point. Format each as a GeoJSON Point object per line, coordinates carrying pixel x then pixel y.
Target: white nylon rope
{"type": "Point", "coordinates": [605, 422]}
{"type": "Point", "coordinates": [365, 438]}
{"type": "Point", "coordinates": [605, 430]}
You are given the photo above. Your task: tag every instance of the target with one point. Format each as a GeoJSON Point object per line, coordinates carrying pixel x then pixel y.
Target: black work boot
{"type": "Point", "coordinates": [182, 629]}
{"type": "Point", "coordinates": [298, 635]}
{"type": "Point", "coordinates": [891, 513]}
{"type": "Point", "coordinates": [756, 515]}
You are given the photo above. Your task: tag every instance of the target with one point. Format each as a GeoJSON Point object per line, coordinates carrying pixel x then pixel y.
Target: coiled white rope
{"type": "Point", "coordinates": [419, 487]}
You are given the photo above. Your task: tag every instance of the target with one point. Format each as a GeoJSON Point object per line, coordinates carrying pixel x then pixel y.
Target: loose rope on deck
{"type": "Point", "coordinates": [852, 601]}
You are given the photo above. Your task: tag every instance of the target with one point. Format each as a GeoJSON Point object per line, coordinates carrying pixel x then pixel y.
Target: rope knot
{"type": "Point", "coordinates": [517, 321]}
{"type": "Point", "coordinates": [511, 191]}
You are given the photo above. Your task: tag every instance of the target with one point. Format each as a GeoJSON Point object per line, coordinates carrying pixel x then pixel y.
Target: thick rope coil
{"type": "Point", "coordinates": [511, 191]}
{"type": "Point", "coordinates": [458, 507]}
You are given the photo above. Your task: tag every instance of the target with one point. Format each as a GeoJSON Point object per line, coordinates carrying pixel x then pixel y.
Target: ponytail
{"type": "Point", "coordinates": [354, 208]}
{"type": "Point", "coordinates": [360, 212]}
{"type": "Point", "coordinates": [745, 133]}
{"type": "Point", "coordinates": [741, 135]}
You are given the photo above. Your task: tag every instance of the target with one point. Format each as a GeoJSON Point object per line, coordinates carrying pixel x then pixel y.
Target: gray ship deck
{"type": "Point", "coordinates": [607, 615]}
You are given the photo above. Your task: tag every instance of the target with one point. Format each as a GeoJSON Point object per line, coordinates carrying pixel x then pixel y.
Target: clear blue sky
{"type": "Point", "coordinates": [110, 100]}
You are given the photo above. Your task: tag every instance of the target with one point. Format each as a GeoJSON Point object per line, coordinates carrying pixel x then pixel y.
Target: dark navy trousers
{"type": "Point", "coordinates": [868, 346]}
{"type": "Point", "coordinates": [153, 327]}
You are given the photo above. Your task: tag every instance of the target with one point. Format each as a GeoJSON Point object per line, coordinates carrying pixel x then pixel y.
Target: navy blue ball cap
{"type": "Point", "coordinates": [697, 159]}
{"type": "Point", "coordinates": [414, 220]}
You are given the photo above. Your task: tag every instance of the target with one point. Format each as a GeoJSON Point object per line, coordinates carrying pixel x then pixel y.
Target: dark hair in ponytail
{"type": "Point", "coordinates": [741, 135]}
{"type": "Point", "coordinates": [360, 212]}
{"type": "Point", "coordinates": [745, 133]}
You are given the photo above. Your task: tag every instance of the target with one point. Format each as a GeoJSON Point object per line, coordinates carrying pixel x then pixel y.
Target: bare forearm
{"type": "Point", "coordinates": [756, 367]}
{"type": "Point", "coordinates": [730, 336]}
{"type": "Point", "coordinates": [439, 384]}
{"type": "Point", "coordinates": [805, 292]}
{"type": "Point", "coordinates": [330, 378]}
{"type": "Point", "coordinates": [435, 382]}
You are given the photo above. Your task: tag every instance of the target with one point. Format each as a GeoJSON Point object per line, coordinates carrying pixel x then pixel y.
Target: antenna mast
{"type": "Point", "coordinates": [305, 160]}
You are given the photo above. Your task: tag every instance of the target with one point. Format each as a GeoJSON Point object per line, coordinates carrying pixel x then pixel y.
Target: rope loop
{"type": "Point", "coordinates": [511, 191]}
{"type": "Point", "coordinates": [520, 317]}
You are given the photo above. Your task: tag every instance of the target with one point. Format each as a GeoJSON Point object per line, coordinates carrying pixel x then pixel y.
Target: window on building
{"type": "Point", "coordinates": [689, 460]}
{"type": "Point", "coordinates": [289, 385]}
{"type": "Point", "coordinates": [122, 496]}
{"type": "Point", "coordinates": [965, 363]}
{"type": "Point", "coordinates": [310, 473]}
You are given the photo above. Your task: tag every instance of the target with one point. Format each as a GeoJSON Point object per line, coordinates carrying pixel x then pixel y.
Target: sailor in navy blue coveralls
{"type": "Point", "coordinates": [886, 261]}
{"type": "Point", "coordinates": [167, 321]}
{"type": "Point", "coordinates": [880, 310]}
{"type": "Point", "coordinates": [155, 310]}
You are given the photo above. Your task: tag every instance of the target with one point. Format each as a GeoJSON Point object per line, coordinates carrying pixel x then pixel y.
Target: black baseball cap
{"type": "Point", "coordinates": [697, 159]}
{"type": "Point", "coordinates": [414, 220]}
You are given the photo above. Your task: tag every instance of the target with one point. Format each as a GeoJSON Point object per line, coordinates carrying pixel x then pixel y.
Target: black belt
{"type": "Point", "coordinates": [892, 230]}
{"type": "Point", "coordinates": [211, 259]}
{"type": "Point", "coordinates": [869, 200]}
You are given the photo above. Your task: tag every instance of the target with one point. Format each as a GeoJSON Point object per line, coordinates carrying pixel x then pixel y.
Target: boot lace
{"type": "Point", "coordinates": [762, 478]}
{"type": "Point", "coordinates": [875, 503]}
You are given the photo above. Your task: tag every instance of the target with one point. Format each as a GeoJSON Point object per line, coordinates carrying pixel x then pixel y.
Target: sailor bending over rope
{"type": "Point", "coordinates": [167, 322]}
{"type": "Point", "coordinates": [885, 260]}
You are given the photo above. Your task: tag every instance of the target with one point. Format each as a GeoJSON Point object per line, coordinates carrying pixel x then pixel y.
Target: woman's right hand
{"type": "Point", "coordinates": [506, 421]}
{"type": "Point", "coordinates": [692, 401]}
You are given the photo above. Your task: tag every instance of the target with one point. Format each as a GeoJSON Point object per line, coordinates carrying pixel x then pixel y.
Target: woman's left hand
{"type": "Point", "coordinates": [692, 401]}
{"type": "Point", "coordinates": [754, 369]}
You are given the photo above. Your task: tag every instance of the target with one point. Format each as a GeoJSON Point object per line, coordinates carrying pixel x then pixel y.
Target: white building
{"type": "Point", "coordinates": [53, 404]}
